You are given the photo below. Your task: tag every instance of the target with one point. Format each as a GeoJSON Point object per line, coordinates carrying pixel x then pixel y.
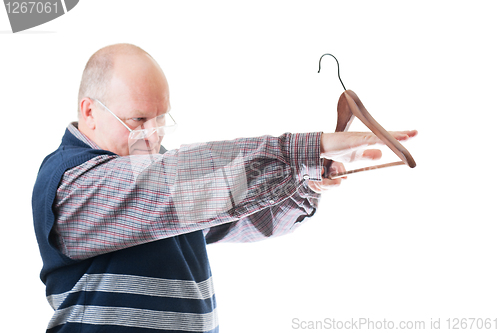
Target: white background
{"type": "Point", "coordinates": [395, 244]}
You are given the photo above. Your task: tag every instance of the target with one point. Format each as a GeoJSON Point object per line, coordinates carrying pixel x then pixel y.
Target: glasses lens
{"type": "Point", "coordinates": [159, 126]}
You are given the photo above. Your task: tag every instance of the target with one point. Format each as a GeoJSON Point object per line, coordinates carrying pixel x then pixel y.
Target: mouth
{"type": "Point", "coordinates": [144, 148]}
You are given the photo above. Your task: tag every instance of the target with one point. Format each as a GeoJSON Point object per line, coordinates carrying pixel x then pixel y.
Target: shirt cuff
{"type": "Point", "coordinates": [305, 151]}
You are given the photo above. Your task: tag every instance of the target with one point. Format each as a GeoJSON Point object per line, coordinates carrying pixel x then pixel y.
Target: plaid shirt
{"type": "Point", "coordinates": [236, 191]}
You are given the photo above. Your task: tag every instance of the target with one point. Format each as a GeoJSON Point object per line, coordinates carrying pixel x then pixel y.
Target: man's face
{"type": "Point", "coordinates": [137, 94]}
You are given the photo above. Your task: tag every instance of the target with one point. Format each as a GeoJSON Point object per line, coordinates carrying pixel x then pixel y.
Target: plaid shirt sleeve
{"type": "Point", "coordinates": [240, 190]}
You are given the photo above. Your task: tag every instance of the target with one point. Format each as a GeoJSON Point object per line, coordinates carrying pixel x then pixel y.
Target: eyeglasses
{"type": "Point", "coordinates": [156, 125]}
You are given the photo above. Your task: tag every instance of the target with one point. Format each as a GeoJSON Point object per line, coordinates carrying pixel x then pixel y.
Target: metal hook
{"type": "Point", "coordinates": [338, 67]}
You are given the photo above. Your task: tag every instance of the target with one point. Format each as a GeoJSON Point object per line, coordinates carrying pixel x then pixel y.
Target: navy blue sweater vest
{"type": "Point", "coordinates": [161, 286]}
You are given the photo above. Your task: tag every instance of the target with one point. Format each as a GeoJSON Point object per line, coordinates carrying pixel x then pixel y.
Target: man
{"type": "Point", "coordinates": [122, 224]}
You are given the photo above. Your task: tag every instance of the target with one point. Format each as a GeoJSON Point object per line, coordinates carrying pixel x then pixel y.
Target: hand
{"type": "Point", "coordinates": [348, 147]}
{"type": "Point", "coordinates": [329, 168]}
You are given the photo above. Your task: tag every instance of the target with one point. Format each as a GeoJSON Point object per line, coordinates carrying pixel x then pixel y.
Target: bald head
{"type": "Point", "coordinates": [134, 89]}
{"type": "Point", "coordinates": [101, 66]}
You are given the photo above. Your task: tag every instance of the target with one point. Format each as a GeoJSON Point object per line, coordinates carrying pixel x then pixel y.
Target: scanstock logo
{"type": "Point", "coordinates": [28, 14]}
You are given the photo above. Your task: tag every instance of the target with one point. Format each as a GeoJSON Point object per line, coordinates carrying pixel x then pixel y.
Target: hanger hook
{"type": "Point", "coordinates": [338, 67]}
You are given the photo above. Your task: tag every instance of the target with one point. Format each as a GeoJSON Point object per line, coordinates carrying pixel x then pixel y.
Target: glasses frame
{"type": "Point", "coordinates": [123, 123]}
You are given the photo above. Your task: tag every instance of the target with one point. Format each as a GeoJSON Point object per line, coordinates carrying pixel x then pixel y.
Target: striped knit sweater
{"type": "Point", "coordinates": [163, 282]}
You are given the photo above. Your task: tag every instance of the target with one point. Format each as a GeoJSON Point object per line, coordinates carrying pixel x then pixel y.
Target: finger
{"type": "Point", "coordinates": [404, 135]}
{"type": "Point", "coordinates": [324, 185]}
{"type": "Point", "coordinates": [326, 166]}
{"type": "Point", "coordinates": [335, 168]}
{"type": "Point", "coordinates": [342, 143]}
{"type": "Point", "coordinates": [327, 184]}
{"type": "Point", "coordinates": [398, 135]}
{"type": "Point", "coordinates": [314, 186]}
{"type": "Point", "coordinates": [371, 154]}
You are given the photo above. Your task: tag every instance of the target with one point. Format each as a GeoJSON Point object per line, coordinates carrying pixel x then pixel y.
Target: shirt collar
{"type": "Point", "coordinates": [73, 128]}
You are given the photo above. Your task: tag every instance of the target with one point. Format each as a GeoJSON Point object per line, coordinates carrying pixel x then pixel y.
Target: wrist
{"type": "Point", "coordinates": [325, 138]}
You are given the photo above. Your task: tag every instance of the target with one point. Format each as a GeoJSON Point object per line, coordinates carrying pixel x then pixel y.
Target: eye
{"type": "Point", "coordinates": [139, 119]}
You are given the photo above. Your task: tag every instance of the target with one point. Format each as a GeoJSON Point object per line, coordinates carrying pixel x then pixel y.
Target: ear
{"type": "Point", "coordinates": [87, 108]}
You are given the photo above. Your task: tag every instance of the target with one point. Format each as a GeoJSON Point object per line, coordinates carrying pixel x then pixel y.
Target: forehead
{"type": "Point", "coordinates": [139, 101]}
{"type": "Point", "coordinates": [138, 84]}
{"type": "Point", "coordinates": [147, 111]}
{"type": "Point", "coordinates": [131, 106]}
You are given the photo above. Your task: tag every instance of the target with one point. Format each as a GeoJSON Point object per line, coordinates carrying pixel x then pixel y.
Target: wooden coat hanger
{"type": "Point", "coordinates": [350, 106]}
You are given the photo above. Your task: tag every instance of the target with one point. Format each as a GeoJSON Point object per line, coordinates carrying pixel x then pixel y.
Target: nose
{"type": "Point", "coordinates": [153, 136]}
{"type": "Point", "coordinates": [152, 133]}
